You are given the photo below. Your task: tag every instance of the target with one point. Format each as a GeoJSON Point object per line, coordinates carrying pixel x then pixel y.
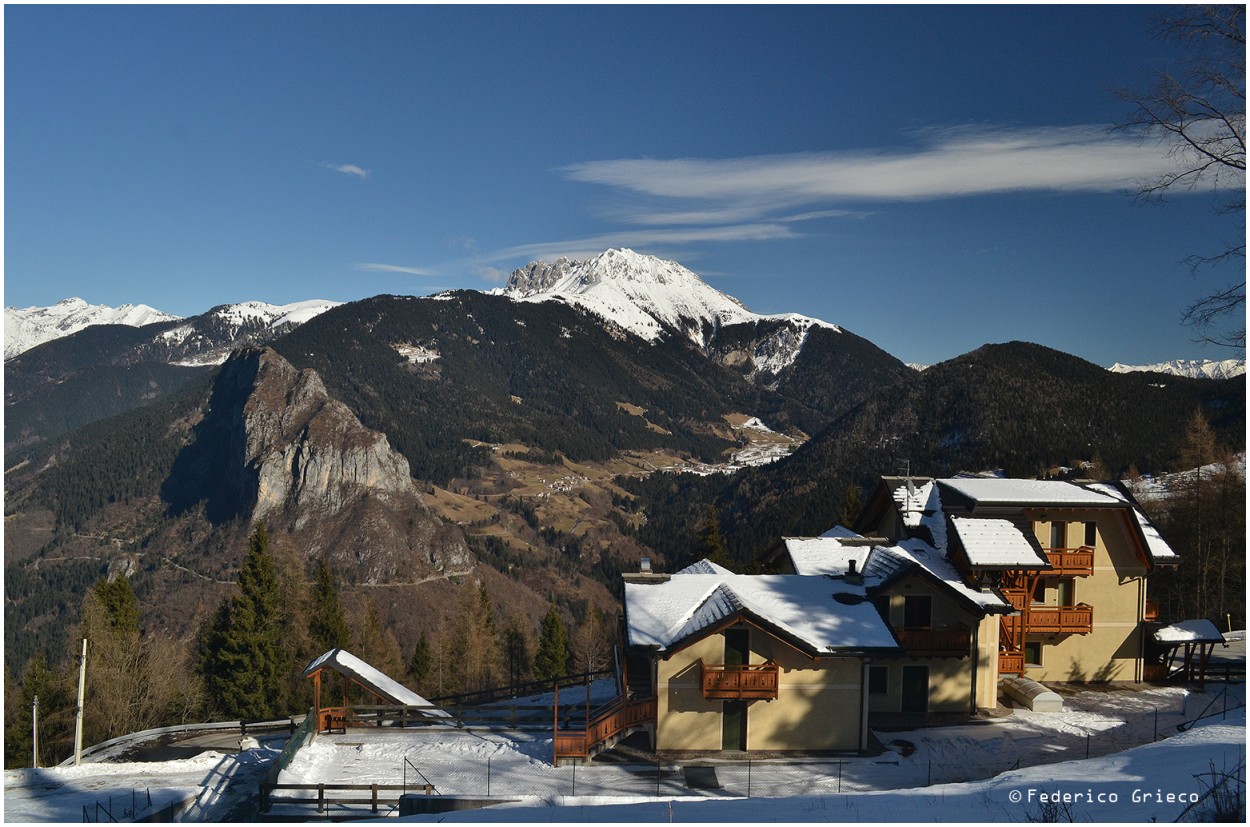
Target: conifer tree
{"type": "Point", "coordinates": [710, 545]}
{"type": "Point", "coordinates": [516, 651]}
{"type": "Point", "coordinates": [326, 624]}
{"type": "Point", "coordinates": [421, 663]}
{"type": "Point", "coordinates": [56, 717]}
{"type": "Point", "coordinates": [241, 652]}
{"type": "Point", "coordinates": [551, 661]}
{"type": "Point", "coordinates": [850, 506]}
{"type": "Point", "coordinates": [477, 648]}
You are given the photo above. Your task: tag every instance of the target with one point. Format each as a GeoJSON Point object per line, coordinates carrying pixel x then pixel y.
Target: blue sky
{"type": "Point", "coordinates": [931, 178]}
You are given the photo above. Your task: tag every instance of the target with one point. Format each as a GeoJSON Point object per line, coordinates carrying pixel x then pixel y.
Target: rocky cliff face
{"type": "Point", "coordinates": [335, 486]}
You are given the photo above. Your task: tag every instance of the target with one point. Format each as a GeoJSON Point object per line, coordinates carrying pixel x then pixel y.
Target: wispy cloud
{"type": "Point", "coordinates": [594, 245]}
{"type": "Point", "coordinates": [950, 163]}
{"type": "Point", "coordinates": [394, 268]}
{"type": "Point", "coordinates": [348, 169]}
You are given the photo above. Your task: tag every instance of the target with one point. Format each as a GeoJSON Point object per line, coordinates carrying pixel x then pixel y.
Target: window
{"type": "Point", "coordinates": [917, 611]}
{"type": "Point", "coordinates": [1058, 535]}
{"type": "Point", "coordinates": [1067, 592]}
{"type": "Point", "coordinates": [878, 680]}
{"type": "Point", "coordinates": [1091, 534]}
{"type": "Point", "coordinates": [1039, 591]}
{"type": "Point", "coordinates": [1033, 653]}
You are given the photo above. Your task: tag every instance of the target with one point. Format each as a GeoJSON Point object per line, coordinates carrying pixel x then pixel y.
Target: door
{"type": "Point", "coordinates": [734, 726]}
{"type": "Point", "coordinates": [915, 689]}
{"type": "Point", "coordinates": [737, 647]}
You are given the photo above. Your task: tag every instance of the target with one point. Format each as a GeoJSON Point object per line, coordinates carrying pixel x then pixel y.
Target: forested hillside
{"type": "Point", "coordinates": [1019, 408]}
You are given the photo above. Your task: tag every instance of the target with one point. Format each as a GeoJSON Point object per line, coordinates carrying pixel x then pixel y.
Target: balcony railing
{"type": "Point", "coordinates": [936, 643]}
{"type": "Point", "coordinates": [608, 722]}
{"type": "Point", "coordinates": [1071, 561]}
{"type": "Point", "coordinates": [756, 681]}
{"type": "Point", "coordinates": [1011, 663]}
{"type": "Point", "coordinates": [1061, 620]}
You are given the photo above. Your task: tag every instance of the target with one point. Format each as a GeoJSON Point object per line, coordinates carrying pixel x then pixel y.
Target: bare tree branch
{"type": "Point", "coordinates": [1200, 116]}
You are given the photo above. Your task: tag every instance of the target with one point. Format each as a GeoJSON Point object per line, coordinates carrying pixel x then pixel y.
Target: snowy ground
{"type": "Point", "coordinates": [919, 764]}
{"type": "Point", "coordinates": [208, 787]}
{"type": "Point", "coordinates": [1000, 770]}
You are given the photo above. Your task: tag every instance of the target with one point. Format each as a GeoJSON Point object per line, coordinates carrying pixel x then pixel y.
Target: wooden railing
{"type": "Point", "coordinates": [606, 723]}
{"type": "Point", "coordinates": [1011, 663]}
{"type": "Point", "coordinates": [1078, 620]}
{"type": "Point", "coordinates": [754, 681]}
{"type": "Point", "coordinates": [1016, 597]}
{"type": "Point", "coordinates": [935, 642]}
{"type": "Point", "coordinates": [1071, 561]}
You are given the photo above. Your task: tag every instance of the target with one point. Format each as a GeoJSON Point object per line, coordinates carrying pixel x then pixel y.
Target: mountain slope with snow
{"type": "Point", "coordinates": [209, 338]}
{"type": "Point", "coordinates": [646, 296]}
{"type": "Point", "coordinates": [1193, 368]}
{"type": "Point", "coordinates": [28, 327]}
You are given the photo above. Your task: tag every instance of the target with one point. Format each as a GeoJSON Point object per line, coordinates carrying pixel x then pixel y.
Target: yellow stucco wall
{"type": "Point", "coordinates": [817, 705]}
{"type": "Point", "coordinates": [1117, 592]}
{"type": "Point", "coordinates": [987, 666]}
{"type": "Point", "coordinates": [950, 679]}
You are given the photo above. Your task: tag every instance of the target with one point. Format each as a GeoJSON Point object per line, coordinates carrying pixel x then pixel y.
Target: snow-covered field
{"type": "Point", "coordinates": [1004, 769]}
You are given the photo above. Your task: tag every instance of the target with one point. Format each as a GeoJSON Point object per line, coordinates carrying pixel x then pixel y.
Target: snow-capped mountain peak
{"type": "Point", "coordinates": [27, 327]}
{"type": "Point", "coordinates": [1193, 368]}
{"type": "Point", "coordinates": [642, 294]}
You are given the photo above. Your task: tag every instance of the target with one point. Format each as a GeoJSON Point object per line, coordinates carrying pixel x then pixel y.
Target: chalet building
{"type": "Point", "coordinates": [942, 587]}
{"type": "Point", "coordinates": [753, 662]}
{"type": "Point", "coordinates": [1072, 559]}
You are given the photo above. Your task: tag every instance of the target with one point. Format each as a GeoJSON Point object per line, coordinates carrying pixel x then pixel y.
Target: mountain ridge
{"type": "Point", "coordinates": [28, 327]}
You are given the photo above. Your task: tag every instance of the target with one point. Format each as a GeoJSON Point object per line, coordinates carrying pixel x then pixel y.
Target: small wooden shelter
{"type": "Point", "coordinates": [379, 688]}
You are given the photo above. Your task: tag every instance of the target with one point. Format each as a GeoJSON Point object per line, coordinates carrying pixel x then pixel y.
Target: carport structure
{"type": "Point", "coordinates": [1198, 637]}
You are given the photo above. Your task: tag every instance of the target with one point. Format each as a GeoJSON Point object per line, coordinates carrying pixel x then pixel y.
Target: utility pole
{"type": "Point", "coordinates": [82, 691]}
{"type": "Point", "coordinates": [35, 733]}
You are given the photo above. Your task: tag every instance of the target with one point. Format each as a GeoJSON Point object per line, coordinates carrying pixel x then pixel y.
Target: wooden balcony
{"type": "Point", "coordinates": [756, 681]}
{"type": "Point", "coordinates": [1011, 663]}
{"type": "Point", "coordinates": [1053, 620]}
{"type": "Point", "coordinates": [1071, 561]}
{"type": "Point", "coordinates": [1152, 610]}
{"type": "Point", "coordinates": [935, 643]}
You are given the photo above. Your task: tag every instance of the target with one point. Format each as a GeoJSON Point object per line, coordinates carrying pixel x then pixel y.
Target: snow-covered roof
{"type": "Point", "coordinates": [821, 614]}
{"type": "Point", "coordinates": [1190, 631]}
{"type": "Point", "coordinates": [1038, 493]}
{"type": "Point", "coordinates": [878, 563]}
{"type": "Point", "coordinates": [346, 663]}
{"type": "Point", "coordinates": [705, 566]}
{"type": "Point", "coordinates": [914, 500]}
{"type": "Point", "coordinates": [824, 555]}
{"type": "Point", "coordinates": [1155, 544]}
{"type": "Point", "coordinates": [996, 543]}
{"type": "Point", "coordinates": [937, 564]}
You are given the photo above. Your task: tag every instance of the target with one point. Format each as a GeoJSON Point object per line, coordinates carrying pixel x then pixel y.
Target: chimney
{"type": "Point", "coordinates": [645, 574]}
{"type": "Point", "coordinates": [852, 576]}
